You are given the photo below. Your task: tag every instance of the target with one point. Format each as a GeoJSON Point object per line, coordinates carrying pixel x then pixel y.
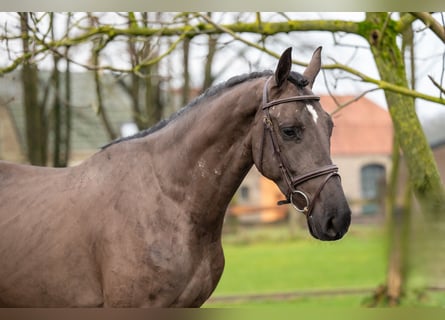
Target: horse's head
{"type": "Point", "coordinates": [291, 146]}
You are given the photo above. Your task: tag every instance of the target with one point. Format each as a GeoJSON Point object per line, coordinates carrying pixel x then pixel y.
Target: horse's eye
{"type": "Point", "coordinates": [292, 133]}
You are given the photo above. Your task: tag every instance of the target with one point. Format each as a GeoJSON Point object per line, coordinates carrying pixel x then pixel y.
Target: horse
{"type": "Point", "coordinates": [139, 223]}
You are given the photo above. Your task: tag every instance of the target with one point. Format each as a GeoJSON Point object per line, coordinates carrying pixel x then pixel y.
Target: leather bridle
{"type": "Point", "coordinates": [292, 182]}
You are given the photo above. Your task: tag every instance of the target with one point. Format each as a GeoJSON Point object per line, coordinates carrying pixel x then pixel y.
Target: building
{"type": "Point", "coordinates": [361, 146]}
{"type": "Point", "coordinates": [87, 132]}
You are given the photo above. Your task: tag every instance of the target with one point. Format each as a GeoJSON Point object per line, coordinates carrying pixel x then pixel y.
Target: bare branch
{"type": "Point", "coordinates": [380, 83]}
{"type": "Point", "coordinates": [385, 85]}
{"type": "Point", "coordinates": [442, 90]}
{"type": "Point", "coordinates": [205, 25]}
{"type": "Point", "coordinates": [343, 105]}
{"type": "Point", "coordinates": [340, 106]}
{"type": "Point", "coordinates": [111, 32]}
{"type": "Point", "coordinates": [245, 41]}
{"type": "Point", "coordinates": [431, 23]}
{"type": "Point", "coordinates": [405, 22]}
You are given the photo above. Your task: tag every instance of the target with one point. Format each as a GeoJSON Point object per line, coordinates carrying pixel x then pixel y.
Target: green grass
{"type": "Point", "coordinates": [269, 260]}
{"type": "Point", "coordinates": [345, 301]}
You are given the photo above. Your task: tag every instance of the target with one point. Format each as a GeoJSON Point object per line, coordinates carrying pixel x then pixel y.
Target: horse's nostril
{"type": "Point", "coordinates": [330, 229]}
{"type": "Point", "coordinates": [335, 228]}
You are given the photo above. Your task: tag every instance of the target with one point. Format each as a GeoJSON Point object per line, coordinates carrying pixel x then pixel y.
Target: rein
{"type": "Point", "coordinates": [292, 182]}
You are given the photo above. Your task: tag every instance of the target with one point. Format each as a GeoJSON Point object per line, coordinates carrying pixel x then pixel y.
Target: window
{"type": "Point", "coordinates": [372, 180]}
{"type": "Point", "coordinates": [244, 192]}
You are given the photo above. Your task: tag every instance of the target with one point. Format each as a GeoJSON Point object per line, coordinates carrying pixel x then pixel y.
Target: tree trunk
{"type": "Point", "coordinates": [208, 76]}
{"type": "Point", "coordinates": [133, 89]}
{"type": "Point", "coordinates": [186, 73]}
{"type": "Point", "coordinates": [419, 158]}
{"type": "Point", "coordinates": [95, 59]}
{"type": "Point", "coordinates": [153, 101]}
{"type": "Point", "coordinates": [146, 83]}
{"type": "Point", "coordinates": [211, 44]}
{"type": "Point", "coordinates": [61, 115]}
{"type": "Point", "coordinates": [394, 277]}
{"type": "Point", "coordinates": [35, 122]}
{"type": "Point", "coordinates": [66, 140]}
{"type": "Point", "coordinates": [101, 112]}
{"type": "Point", "coordinates": [57, 116]}
{"type": "Point", "coordinates": [424, 179]}
{"type": "Point", "coordinates": [154, 105]}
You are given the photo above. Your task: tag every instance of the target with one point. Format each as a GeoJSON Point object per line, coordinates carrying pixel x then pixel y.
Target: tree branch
{"type": "Point", "coordinates": [405, 22]}
{"type": "Point", "coordinates": [431, 23]}
{"type": "Point", "coordinates": [265, 28]}
{"type": "Point", "coordinates": [380, 83]}
{"type": "Point", "coordinates": [385, 85]}
{"type": "Point", "coordinates": [343, 105]}
{"type": "Point", "coordinates": [442, 90]}
{"type": "Point", "coordinates": [211, 27]}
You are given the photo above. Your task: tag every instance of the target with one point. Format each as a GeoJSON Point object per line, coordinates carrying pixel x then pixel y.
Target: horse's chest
{"type": "Point", "coordinates": [203, 279]}
{"type": "Point", "coordinates": [163, 272]}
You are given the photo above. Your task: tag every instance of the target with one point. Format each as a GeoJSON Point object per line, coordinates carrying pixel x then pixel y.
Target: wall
{"type": "Point", "coordinates": [10, 147]}
{"type": "Point", "coordinates": [350, 171]}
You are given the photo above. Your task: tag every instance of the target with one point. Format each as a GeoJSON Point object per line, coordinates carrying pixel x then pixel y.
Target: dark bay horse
{"type": "Point", "coordinates": [139, 223]}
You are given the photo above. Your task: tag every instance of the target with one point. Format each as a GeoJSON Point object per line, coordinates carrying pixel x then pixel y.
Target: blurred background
{"type": "Point", "coordinates": [71, 82]}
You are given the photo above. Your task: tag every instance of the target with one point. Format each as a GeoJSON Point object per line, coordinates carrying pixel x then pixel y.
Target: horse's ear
{"type": "Point", "coordinates": [313, 67]}
{"type": "Point", "coordinates": [283, 68]}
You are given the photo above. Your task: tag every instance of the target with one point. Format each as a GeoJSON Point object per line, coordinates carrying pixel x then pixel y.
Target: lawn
{"type": "Point", "coordinates": [268, 260]}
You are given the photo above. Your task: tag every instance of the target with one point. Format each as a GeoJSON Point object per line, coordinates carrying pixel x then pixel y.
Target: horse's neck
{"type": "Point", "coordinates": [208, 151]}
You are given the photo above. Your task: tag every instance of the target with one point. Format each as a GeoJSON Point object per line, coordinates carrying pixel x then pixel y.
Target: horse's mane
{"type": "Point", "coordinates": [294, 77]}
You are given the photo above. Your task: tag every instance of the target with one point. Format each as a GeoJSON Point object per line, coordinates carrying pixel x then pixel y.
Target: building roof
{"type": "Point", "coordinates": [360, 128]}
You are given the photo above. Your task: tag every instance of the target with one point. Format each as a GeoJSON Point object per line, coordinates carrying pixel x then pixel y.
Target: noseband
{"type": "Point", "coordinates": [292, 182]}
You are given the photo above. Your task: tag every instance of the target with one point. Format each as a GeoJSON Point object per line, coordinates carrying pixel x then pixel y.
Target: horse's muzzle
{"type": "Point", "coordinates": [330, 227]}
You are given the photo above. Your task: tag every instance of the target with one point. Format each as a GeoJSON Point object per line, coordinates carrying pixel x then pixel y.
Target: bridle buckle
{"type": "Point", "coordinates": [305, 210]}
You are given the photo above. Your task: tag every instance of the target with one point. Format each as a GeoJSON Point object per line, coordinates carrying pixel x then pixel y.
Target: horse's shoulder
{"type": "Point", "coordinates": [16, 170]}
{"type": "Point", "coordinates": [7, 169]}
